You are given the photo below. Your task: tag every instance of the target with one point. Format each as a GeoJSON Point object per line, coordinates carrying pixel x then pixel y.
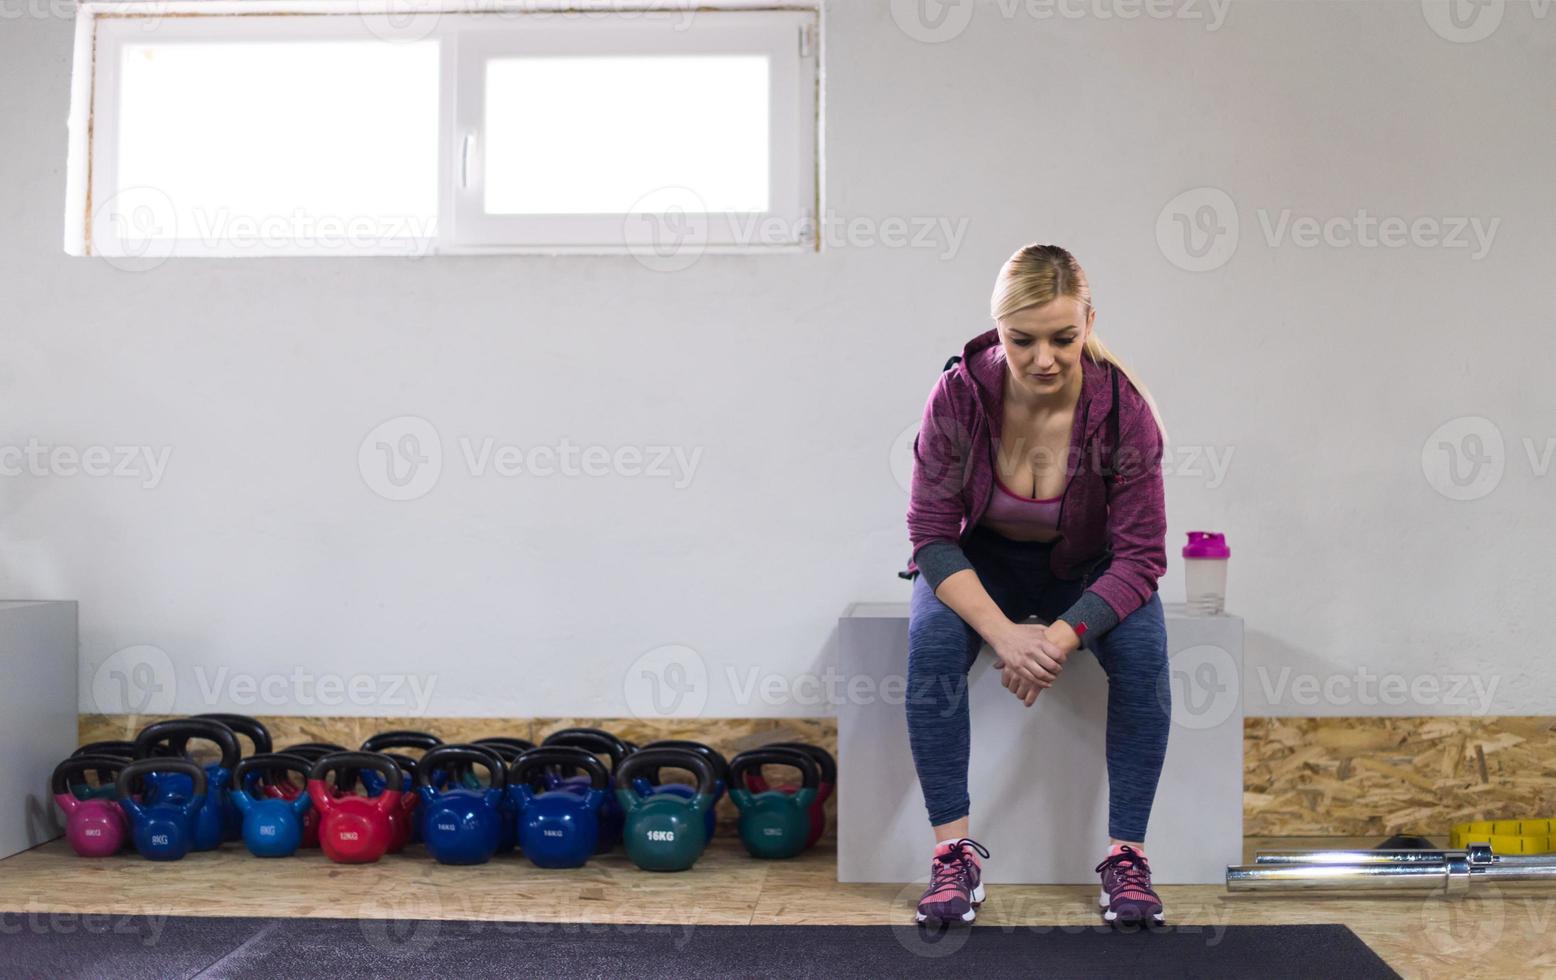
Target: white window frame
{"type": "Point", "coordinates": [789, 34]}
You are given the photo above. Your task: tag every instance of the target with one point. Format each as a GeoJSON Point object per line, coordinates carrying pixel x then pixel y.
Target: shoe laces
{"type": "Point", "coordinates": [1130, 865]}
{"type": "Point", "coordinates": [952, 866]}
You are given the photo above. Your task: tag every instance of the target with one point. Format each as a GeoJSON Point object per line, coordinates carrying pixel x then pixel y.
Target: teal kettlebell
{"type": "Point", "coordinates": [774, 824]}
{"type": "Point", "coordinates": [664, 831]}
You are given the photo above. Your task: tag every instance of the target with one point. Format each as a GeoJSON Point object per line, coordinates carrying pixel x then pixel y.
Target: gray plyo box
{"type": "Point", "coordinates": [38, 698]}
{"type": "Point", "coordinates": [1038, 776]}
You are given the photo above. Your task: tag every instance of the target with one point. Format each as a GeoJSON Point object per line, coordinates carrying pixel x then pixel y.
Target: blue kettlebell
{"type": "Point", "coordinates": [460, 826]}
{"type": "Point", "coordinates": [271, 827]}
{"type": "Point", "coordinates": [210, 822]}
{"type": "Point", "coordinates": [162, 830]}
{"type": "Point", "coordinates": [664, 831]}
{"type": "Point", "coordinates": [557, 828]}
{"type": "Point", "coordinates": [598, 742]}
{"type": "Point", "coordinates": [508, 750]}
{"type": "Point", "coordinates": [650, 784]}
{"type": "Point", "coordinates": [256, 732]}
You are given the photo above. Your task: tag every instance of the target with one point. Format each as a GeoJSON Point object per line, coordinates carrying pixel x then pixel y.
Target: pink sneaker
{"type": "Point", "coordinates": [955, 883]}
{"type": "Point", "coordinates": [1127, 896]}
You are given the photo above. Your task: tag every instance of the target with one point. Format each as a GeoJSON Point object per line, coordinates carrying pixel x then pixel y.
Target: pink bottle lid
{"type": "Point", "coordinates": [1206, 544]}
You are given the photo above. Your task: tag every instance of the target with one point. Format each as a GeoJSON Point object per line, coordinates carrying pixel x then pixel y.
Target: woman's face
{"type": "Point", "coordinates": [1043, 344]}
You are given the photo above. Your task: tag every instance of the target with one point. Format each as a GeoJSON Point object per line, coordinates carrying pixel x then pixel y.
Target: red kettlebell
{"type": "Point", "coordinates": [355, 829]}
{"type": "Point", "coordinates": [818, 809]}
{"type": "Point", "coordinates": [94, 827]}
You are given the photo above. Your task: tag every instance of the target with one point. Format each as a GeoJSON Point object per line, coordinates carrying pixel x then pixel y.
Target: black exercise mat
{"type": "Point", "coordinates": [44, 945]}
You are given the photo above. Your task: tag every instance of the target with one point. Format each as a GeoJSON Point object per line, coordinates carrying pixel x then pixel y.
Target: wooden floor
{"type": "Point", "coordinates": [1504, 931]}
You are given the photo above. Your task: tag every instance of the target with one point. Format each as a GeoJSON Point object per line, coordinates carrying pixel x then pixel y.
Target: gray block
{"type": "Point", "coordinates": [1038, 776]}
{"type": "Point", "coordinates": [37, 716]}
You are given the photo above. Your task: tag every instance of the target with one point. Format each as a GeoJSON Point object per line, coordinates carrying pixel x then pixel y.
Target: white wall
{"type": "Point", "coordinates": [263, 557]}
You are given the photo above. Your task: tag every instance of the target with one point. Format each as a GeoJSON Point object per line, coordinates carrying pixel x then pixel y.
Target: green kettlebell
{"type": "Point", "coordinates": [664, 831]}
{"type": "Point", "coordinates": [774, 824]}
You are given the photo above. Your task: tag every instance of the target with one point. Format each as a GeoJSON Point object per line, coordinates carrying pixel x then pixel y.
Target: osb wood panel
{"type": "Point", "coordinates": [1319, 777]}
{"type": "Point", "coordinates": [727, 735]}
{"type": "Point", "coordinates": [1369, 776]}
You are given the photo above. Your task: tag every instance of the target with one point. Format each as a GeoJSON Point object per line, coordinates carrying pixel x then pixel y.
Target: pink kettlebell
{"type": "Point", "coordinates": [94, 827]}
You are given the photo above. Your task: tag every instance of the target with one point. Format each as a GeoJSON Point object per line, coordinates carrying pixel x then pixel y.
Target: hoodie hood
{"type": "Point", "coordinates": [983, 363]}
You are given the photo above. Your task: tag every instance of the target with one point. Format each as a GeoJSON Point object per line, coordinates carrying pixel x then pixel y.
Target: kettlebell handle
{"type": "Point", "coordinates": [595, 740]}
{"type": "Point", "coordinates": [394, 778]}
{"type": "Point", "coordinates": [140, 767]}
{"type": "Point", "coordinates": [270, 762]}
{"type": "Point", "coordinates": [448, 755]}
{"type": "Point", "coordinates": [59, 783]}
{"type": "Point", "coordinates": [652, 759]}
{"type": "Point", "coordinates": [526, 770]}
{"type": "Point", "coordinates": [178, 732]}
{"type": "Point", "coordinates": [824, 760]}
{"type": "Point", "coordinates": [401, 739]}
{"type": "Point", "coordinates": [720, 764]}
{"type": "Point", "coordinates": [241, 725]}
{"type": "Point", "coordinates": [754, 759]}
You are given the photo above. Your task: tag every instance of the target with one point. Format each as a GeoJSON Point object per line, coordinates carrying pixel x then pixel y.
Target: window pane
{"type": "Point", "coordinates": [593, 135]}
{"type": "Point", "coordinates": [291, 141]}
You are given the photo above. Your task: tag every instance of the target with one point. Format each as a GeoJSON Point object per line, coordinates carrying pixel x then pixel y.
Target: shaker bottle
{"type": "Point", "coordinates": [1204, 563]}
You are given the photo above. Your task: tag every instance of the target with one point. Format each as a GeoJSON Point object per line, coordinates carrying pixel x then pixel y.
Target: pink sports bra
{"type": "Point", "coordinates": [1008, 507]}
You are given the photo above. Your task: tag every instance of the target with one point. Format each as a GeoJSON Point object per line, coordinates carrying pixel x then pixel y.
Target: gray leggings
{"type": "Point", "coordinates": [942, 648]}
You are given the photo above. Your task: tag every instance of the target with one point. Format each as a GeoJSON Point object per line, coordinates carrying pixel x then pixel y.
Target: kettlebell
{"type": "Point", "coordinates": [599, 742]}
{"type": "Point", "coordinates": [211, 821]}
{"type": "Point", "coordinates": [355, 829]}
{"type": "Point", "coordinates": [272, 826]}
{"type": "Point", "coordinates": [460, 826]}
{"type": "Point", "coordinates": [652, 783]}
{"type": "Point", "coordinates": [95, 826]}
{"type": "Point", "coordinates": [774, 824]}
{"type": "Point", "coordinates": [163, 829]}
{"type": "Point", "coordinates": [818, 810]}
{"type": "Point", "coordinates": [557, 828]}
{"type": "Point", "coordinates": [665, 831]}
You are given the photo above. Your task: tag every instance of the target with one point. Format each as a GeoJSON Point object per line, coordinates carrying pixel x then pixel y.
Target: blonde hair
{"type": "Point", "coordinates": [1039, 274]}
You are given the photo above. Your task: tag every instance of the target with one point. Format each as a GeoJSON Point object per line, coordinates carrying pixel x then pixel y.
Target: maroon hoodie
{"type": "Point", "coordinates": [1112, 504]}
